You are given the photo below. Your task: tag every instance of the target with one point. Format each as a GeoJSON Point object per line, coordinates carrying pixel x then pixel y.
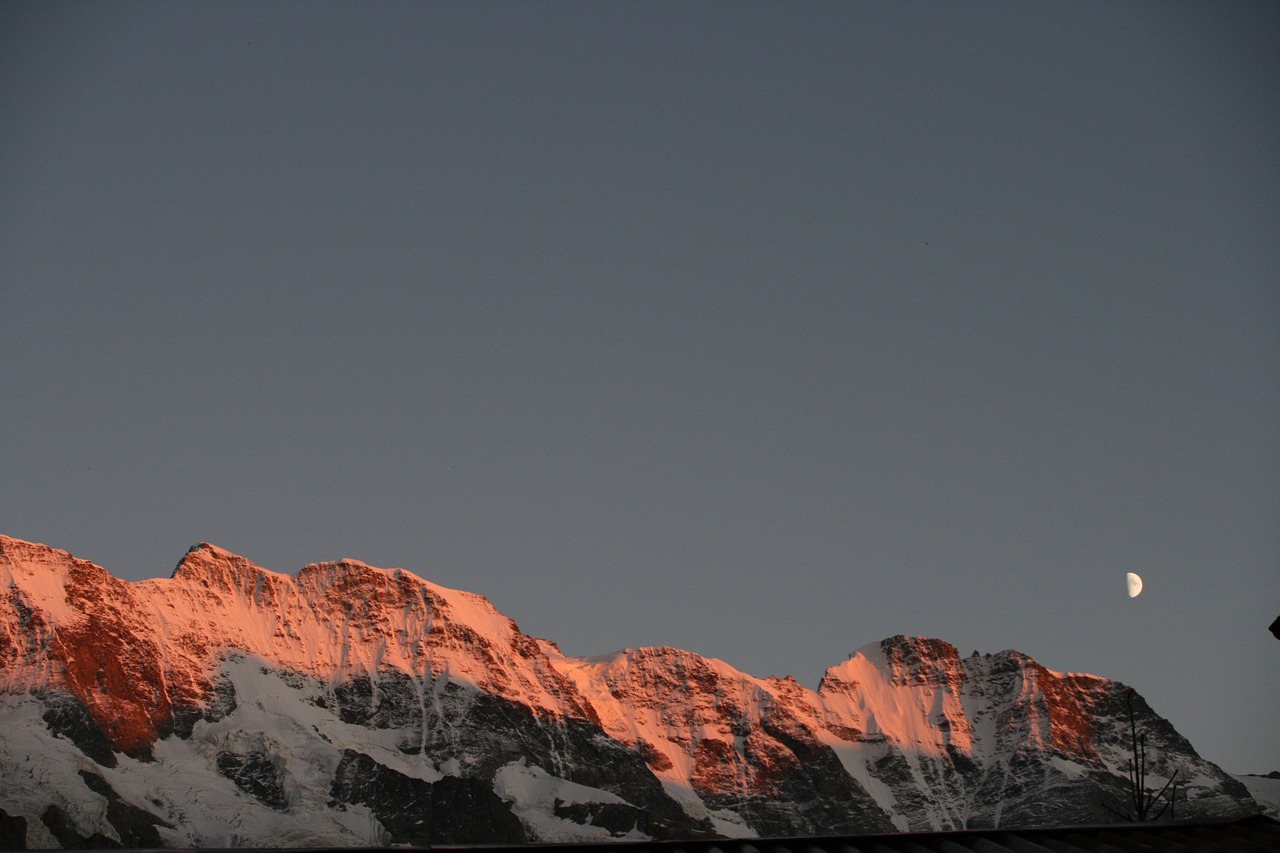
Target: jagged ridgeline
{"type": "Point", "coordinates": [229, 705]}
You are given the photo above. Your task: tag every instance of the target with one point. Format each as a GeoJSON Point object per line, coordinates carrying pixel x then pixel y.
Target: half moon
{"type": "Point", "coordinates": [1134, 583]}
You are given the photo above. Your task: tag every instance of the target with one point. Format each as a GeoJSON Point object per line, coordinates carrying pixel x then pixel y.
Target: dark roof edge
{"type": "Point", "coordinates": [1258, 820]}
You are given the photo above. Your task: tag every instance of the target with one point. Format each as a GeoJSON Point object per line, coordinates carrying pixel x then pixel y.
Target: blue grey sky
{"type": "Point", "coordinates": [764, 330]}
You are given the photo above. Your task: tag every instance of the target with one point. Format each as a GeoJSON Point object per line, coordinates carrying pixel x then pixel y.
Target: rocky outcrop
{"type": "Point", "coordinates": [13, 831]}
{"type": "Point", "coordinates": [451, 810]}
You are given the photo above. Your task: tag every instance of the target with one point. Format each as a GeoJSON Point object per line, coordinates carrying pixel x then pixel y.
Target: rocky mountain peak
{"type": "Point", "coordinates": [220, 570]}
{"type": "Point", "coordinates": [365, 701]}
{"type": "Point", "coordinates": [921, 660]}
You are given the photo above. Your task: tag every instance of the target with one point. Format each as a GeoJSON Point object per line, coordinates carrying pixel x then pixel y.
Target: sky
{"type": "Point", "coordinates": [762, 330]}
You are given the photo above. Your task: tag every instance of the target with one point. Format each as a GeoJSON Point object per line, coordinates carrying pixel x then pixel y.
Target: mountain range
{"type": "Point", "coordinates": [229, 705]}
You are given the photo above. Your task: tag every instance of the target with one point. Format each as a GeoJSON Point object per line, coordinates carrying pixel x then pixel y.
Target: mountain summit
{"type": "Point", "coordinates": [229, 705]}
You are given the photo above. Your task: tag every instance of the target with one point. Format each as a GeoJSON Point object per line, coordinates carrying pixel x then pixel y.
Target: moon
{"type": "Point", "coordinates": [1134, 583]}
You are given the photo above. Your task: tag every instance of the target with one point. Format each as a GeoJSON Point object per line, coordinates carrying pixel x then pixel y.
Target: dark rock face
{"type": "Point", "coordinates": [220, 700]}
{"type": "Point", "coordinates": [59, 823]}
{"type": "Point", "coordinates": [466, 810]}
{"type": "Point", "coordinates": [802, 787]}
{"type": "Point", "coordinates": [485, 733]}
{"type": "Point", "coordinates": [419, 813]}
{"type": "Point", "coordinates": [136, 826]}
{"type": "Point", "coordinates": [257, 775]}
{"type": "Point", "coordinates": [1167, 752]}
{"type": "Point", "coordinates": [66, 716]}
{"type": "Point", "coordinates": [13, 831]}
{"type": "Point", "coordinates": [618, 818]}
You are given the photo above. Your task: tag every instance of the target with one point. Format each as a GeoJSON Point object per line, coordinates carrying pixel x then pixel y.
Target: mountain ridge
{"type": "Point", "coordinates": [647, 742]}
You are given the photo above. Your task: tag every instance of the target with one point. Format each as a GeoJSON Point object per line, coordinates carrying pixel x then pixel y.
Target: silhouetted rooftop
{"type": "Point", "coordinates": [1238, 835]}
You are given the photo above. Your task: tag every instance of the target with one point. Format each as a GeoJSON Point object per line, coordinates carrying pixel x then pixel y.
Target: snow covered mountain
{"type": "Point", "coordinates": [350, 705]}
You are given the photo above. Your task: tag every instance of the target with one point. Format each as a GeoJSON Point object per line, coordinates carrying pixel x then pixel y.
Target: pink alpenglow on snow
{"type": "Point", "coordinates": [309, 690]}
